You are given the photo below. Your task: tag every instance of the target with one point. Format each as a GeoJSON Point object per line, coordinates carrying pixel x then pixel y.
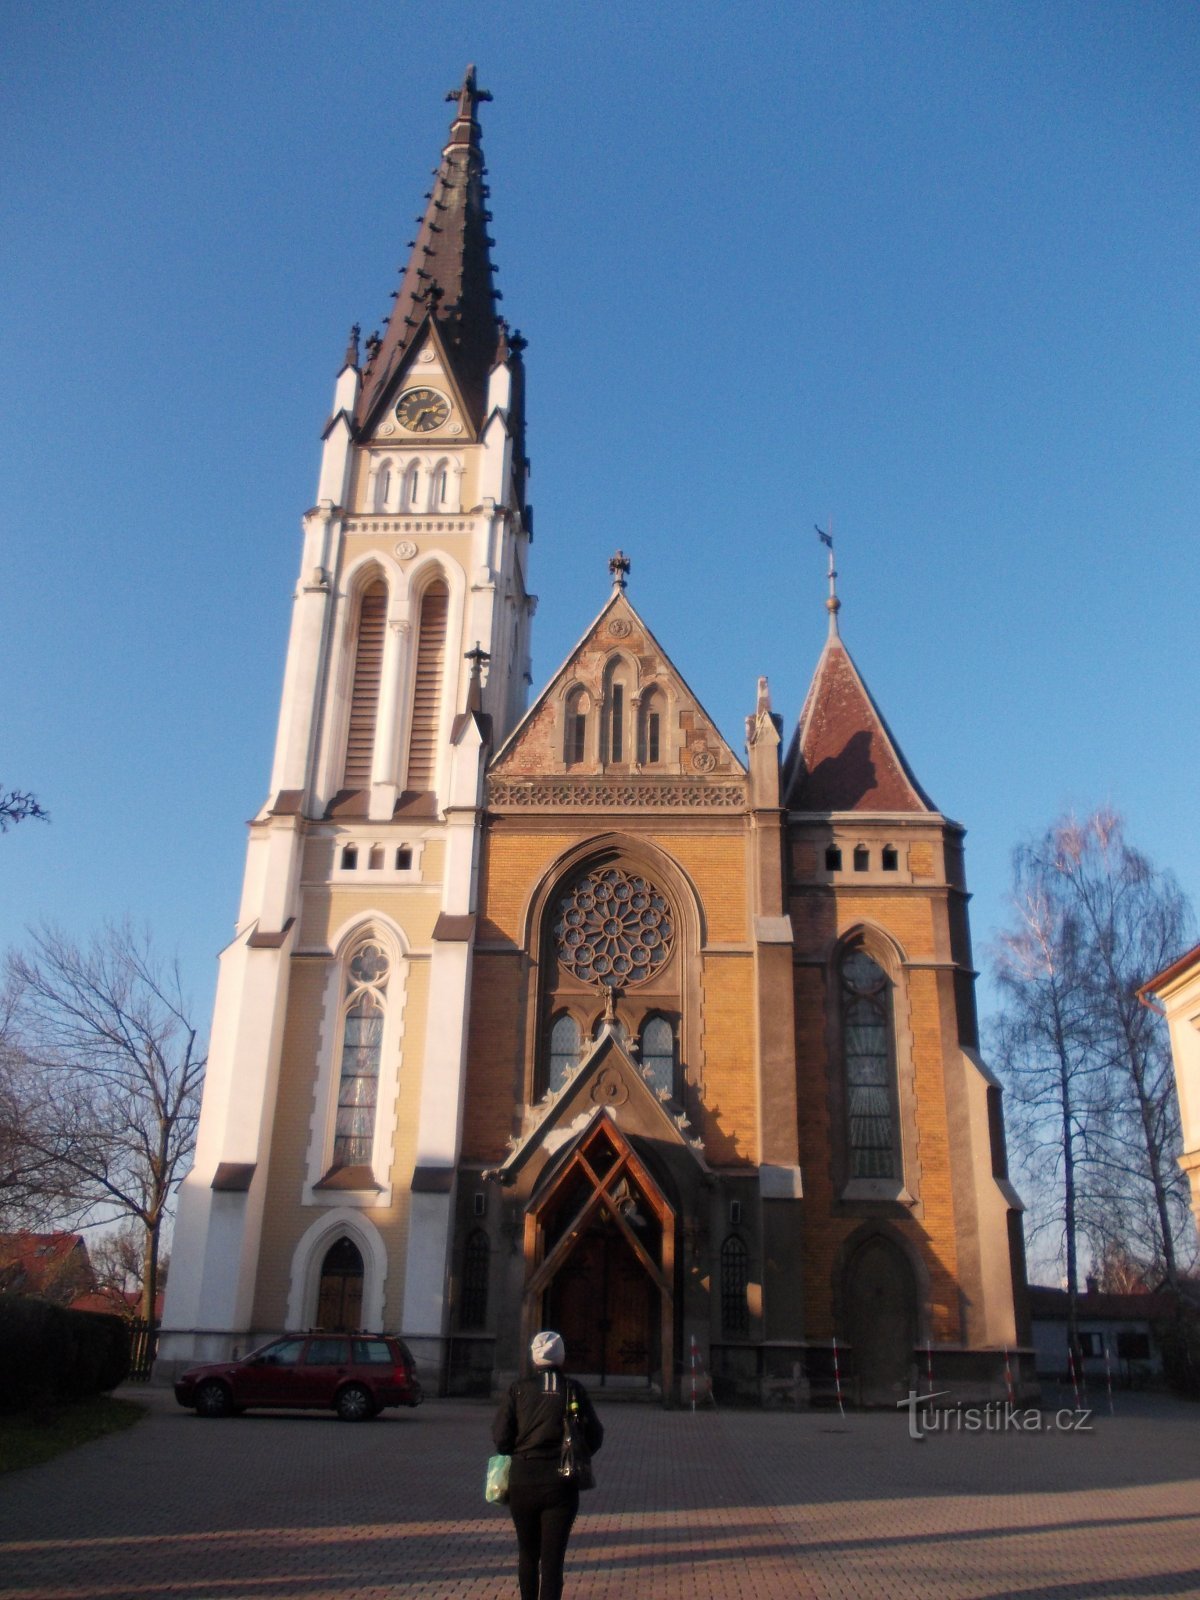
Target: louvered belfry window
{"type": "Point", "coordinates": [364, 701]}
{"type": "Point", "coordinates": [427, 691]}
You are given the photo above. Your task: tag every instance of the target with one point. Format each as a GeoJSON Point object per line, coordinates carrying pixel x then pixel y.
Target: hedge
{"type": "Point", "coordinates": [49, 1354]}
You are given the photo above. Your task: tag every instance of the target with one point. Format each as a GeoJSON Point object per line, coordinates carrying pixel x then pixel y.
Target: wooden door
{"type": "Point", "coordinates": [605, 1306]}
{"type": "Point", "coordinates": [881, 1321]}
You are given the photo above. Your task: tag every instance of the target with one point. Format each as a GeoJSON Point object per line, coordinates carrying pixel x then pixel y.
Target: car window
{"type": "Point", "coordinates": [284, 1354]}
{"type": "Point", "coordinates": [372, 1352]}
{"type": "Point", "coordinates": [326, 1353]}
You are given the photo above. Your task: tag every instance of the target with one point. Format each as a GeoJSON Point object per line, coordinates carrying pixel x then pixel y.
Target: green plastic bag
{"type": "Point", "coordinates": [495, 1489]}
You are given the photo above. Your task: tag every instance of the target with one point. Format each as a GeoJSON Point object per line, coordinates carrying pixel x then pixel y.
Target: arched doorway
{"type": "Point", "coordinates": [339, 1298]}
{"type": "Point", "coordinates": [606, 1308]}
{"type": "Point", "coordinates": [880, 1300]}
{"type": "Point", "coordinates": [600, 1254]}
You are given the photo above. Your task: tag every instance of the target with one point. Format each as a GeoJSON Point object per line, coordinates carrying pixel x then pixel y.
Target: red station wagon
{"type": "Point", "coordinates": [354, 1374]}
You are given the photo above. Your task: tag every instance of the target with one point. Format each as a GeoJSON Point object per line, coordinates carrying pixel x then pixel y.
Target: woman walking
{"type": "Point", "coordinates": [529, 1428]}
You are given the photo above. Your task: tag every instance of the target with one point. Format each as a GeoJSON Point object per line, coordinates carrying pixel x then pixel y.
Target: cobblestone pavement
{"type": "Point", "coordinates": [718, 1505]}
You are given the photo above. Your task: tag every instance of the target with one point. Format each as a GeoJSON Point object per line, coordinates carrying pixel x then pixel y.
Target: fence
{"type": "Point", "coordinates": [143, 1345]}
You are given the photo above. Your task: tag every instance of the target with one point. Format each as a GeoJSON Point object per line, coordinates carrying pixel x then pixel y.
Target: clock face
{"type": "Point", "coordinates": [422, 410]}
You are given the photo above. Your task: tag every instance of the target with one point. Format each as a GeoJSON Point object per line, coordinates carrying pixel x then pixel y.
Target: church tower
{"type": "Point", "coordinates": [323, 1183]}
{"type": "Point", "coordinates": [577, 1016]}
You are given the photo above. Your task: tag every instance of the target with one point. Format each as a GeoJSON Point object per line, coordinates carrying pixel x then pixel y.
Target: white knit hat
{"type": "Point", "coordinates": [547, 1350]}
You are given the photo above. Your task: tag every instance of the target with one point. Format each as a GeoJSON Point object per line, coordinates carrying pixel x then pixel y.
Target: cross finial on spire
{"type": "Point", "coordinates": [351, 357]}
{"type": "Point", "coordinates": [619, 567]}
{"type": "Point", "coordinates": [465, 126]}
{"type": "Point", "coordinates": [833, 605]}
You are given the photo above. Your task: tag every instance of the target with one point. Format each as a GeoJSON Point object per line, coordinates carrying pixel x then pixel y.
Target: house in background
{"type": "Point", "coordinates": [1116, 1333]}
{"type": "Point", "coordinates": [1175, 993]}
{"type": "Point", "coordinates": [47, 1266]}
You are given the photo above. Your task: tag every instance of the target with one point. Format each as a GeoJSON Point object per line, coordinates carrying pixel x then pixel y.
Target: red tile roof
{"type": "Point", "coordinates": [49, 1266]}
{"type": "Point", "coordinates": [843, 756]}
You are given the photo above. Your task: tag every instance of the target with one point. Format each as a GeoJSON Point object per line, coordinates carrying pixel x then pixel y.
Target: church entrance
{"type": "Point", "coordinates": [606, 1308]}
{"type": "Point", "coordinates": [339, 1299]}
{"type": "Point", "coordinates": [881, 1320]}
{"type": "Point", "coordinates": [600, 1255]}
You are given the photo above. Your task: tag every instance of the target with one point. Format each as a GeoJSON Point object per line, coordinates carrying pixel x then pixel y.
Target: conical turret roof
{"type": "Point", "coordinates": [843, 756]}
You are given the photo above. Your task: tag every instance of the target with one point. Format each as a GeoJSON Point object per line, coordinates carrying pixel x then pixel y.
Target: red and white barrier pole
{"type": "Point", "coordinates": [1071, 1373]}
{"type": "Point", "coordinates": [1008, 1379]}
{"type": "Point", "coordinates": [1108, 1375]}
{"type": "Point", "coordinates": [929, 1364]}
{"type": "Point", "coordinates": [837, 1376]}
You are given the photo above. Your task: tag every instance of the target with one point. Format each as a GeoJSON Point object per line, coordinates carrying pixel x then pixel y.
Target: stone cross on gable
{"type": "Point", "coordinates": [618, 568]}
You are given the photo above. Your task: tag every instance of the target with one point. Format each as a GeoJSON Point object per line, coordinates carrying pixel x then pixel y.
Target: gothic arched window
{"type": "Point", "coordinates": [383, 486]}
{"type": "Point", "coordinates": [652, 727]}
{"type": "Point", "coordinates": [477, 1258]}
{"type": "Point", "coordinates": [658, 1054]}
{"type": "Point", "coordinates": [614, 733]}
{"type": "Point", "coordinates": [364, 695]}
{"type": "Point", "coordinates": [869, 1066]}
{"type": "Point", "coordinates": [427, 687]}
{"type": "Point", "coordinates": [563, 1054]}
{"type": "Point", "coordinates": [410, 496]}
{"type": "Point", "coordinates": [362, 1048]}
{"type": "Point", "coordinates": [735, 1276]}
{"type": "Point", "coordinates": [575, 727]}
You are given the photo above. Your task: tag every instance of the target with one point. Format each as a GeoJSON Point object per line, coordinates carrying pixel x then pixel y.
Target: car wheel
{"type": "Point", "coordinates": [213, 1399]}
{"type": "Point", "coordinates": [354, 1404]}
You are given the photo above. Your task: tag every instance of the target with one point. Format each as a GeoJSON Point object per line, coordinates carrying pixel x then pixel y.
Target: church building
{"type": "Point", "coordinates": [577, 1015]}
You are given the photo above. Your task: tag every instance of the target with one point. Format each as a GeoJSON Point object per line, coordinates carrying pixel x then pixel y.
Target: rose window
{"type": "Point", "coordinates": [613, 928]}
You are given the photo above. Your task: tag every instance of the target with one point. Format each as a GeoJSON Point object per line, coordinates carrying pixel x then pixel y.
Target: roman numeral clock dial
{"type": "Point", "coordinates": [422, 410]}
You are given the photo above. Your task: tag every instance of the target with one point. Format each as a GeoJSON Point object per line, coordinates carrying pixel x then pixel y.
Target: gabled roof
{"type": "Point", "coordinates": [843, 756]}
{"type": "Point", "coordinates": [588, 1092]}
{"type": "Point", "coordinates": [448, 281]}
{"type": "Point", "coordinates": [47, 1266]}
{"type": "Point", "coordinates": [617, 627]}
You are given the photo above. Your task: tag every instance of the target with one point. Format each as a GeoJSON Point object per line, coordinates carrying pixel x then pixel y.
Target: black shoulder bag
{"type": "Point", "coordinates": [575, 1462]}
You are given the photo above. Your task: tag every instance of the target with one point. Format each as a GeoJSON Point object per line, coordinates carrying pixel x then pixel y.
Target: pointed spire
{"type": "Point", "coordinates": [619, 568]}
{"type": "Point", "coordinates": [351, 357]}
{"type": "Point", "coordinates": [843, 756]}
{"type": "Point", "coordinates": [447, 282]}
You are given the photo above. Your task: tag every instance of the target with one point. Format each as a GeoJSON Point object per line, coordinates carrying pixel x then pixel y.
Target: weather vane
{"type": "Point", "coordinates": [833, 605]}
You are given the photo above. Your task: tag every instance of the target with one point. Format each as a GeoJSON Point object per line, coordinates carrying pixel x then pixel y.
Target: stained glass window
{"type": "Point", "coordinates": [613, 928]}
{"type": "Point", "coordinates": [867, 1053]}
{"type": "Point", "coordinates": [362, 1047]}
{"type": "Point", "coordinates": [564, 1050]}
{"type": "Point", "coordinates": [658, 1054]}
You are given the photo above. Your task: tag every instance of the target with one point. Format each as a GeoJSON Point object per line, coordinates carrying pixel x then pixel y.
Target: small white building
{"type": "Point", "coordinates": [1116, 1332]}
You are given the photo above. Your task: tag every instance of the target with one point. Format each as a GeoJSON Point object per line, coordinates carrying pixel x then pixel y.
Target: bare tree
{"type": "Point", "coordinates": [105, 1031]}
{"type": "Point", "coordinates": [1045, 1047]}
{"type": "Point", "coordinates": [32, 1182]}
{"type": "Point", "coordinates": [1135, 920]}
{"type": "Point", "coordinates": [18, 805]}
{"type": "Point", "coordinates": [119, 1259]}
{"type": "Point", "coordinates": [1089, 1068]}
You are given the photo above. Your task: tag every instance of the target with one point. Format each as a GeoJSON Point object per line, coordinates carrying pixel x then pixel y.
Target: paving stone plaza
{"type": "Point", "coordinates": [727, 1505]}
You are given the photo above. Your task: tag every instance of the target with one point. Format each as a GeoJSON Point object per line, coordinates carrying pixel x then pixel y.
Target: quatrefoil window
{"type": "Point", "coordinates": [613, 928]}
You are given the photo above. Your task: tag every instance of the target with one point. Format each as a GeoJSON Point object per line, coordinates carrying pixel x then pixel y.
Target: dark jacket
{"type": "Point", "coordinates": [529, 1425]}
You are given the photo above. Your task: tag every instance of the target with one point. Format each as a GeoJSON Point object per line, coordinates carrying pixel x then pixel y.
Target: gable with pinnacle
{"type": "Point", "coordinates": [562, 752]}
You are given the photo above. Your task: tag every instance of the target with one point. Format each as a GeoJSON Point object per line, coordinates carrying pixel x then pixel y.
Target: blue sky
{"type": "Point", "coordinates": [926, 270]}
